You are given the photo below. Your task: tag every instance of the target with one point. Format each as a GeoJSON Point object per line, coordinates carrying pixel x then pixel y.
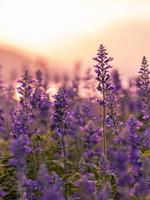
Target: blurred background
{"type": "Point", "coordinates": [57, 35]}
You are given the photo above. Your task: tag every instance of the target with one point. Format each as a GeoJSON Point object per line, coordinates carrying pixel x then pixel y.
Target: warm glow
{"type": "Point", "coordinates": [66, 31]}
{"type": "Point", "coordinates": [43, 23]}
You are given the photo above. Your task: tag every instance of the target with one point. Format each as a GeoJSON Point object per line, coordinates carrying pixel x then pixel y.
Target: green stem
{"type": "Point", "coordinates": [65, 164]}
{"type": "Point", "coordinates": [103, 124]}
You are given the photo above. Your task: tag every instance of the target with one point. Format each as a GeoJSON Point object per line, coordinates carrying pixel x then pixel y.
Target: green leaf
{"type": "Point", "coordinates": [147, 152]}
{"type": "Point", "coordinates": [134, 198]}
{"type": "Point", "coordinates": [74, 176]}
{"type": "Point", "coordinates": [58, 163]}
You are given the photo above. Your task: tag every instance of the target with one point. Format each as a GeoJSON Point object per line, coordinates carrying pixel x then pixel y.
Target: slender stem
{"type": "Point", "coordinates": [103, 130]}
{"type": "Point", "coordinates": [103, 124]}
{"type": "Point", "coordinates": [65, 164]}
{"type": "Point", "coordinates": [29, 132]}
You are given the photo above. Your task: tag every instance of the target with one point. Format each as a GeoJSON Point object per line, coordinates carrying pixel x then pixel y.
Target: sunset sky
{"type": "Point", "coordinates": [65, 31]}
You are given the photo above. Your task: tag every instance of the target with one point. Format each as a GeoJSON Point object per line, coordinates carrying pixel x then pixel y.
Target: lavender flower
{"type": "Point", "coordinates": [134, 140]}
{"type": "Point", "coordinates": [104, 83]}
{"type": "Point", "coordinates": [116, 79]}
{"type": "Point", "coordinates": [92, 140]}
{"type": "Point", "coordinates": [41, 104]}
{"type": "Point", "coordinates": [27, 188]}
{"type": "Point", "coordinates": [20, 149]}
{"type": "Point", "coordinates": [112, 117]}
{"type": "Point", "coordinates": [25, 88]}
{"type": "Point", "coordinates": [79, 117]}
{"type": "Point", "coordinates": [39, 77]}
{"type": "Point", "coordinates": [142, 189]}
{"type": "Point", "coordinates": [144, 87]}
{"type": "Point", "coordinates": [50, 186]}
{"type": "Point", "coordinates": [119, 166]}
{"type": "Point", "coordinates": [146, 138]}
{"type": "Point", "coordinates": [87, 187]}
{"type": "Point", "coordinates": [105, 192]}
{"type": "Point", "coordinates": [23, 118]}
{"type": "Point", "coordinates": [60, 119]}
{"type": "Point", "coordinates": [87, 167]}
{"type": "Point", "coordinates": [61, 125]}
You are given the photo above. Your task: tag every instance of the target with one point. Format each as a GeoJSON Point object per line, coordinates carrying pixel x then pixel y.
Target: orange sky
{"type": "Point", "coordinates": [65, 31]}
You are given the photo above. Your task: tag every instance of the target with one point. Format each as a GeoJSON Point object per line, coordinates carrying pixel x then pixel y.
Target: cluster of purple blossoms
{"type": "Point", "coordinates": [104, 85]}
{"type": "Point", "coordinates": [60, 119]}
{"type": "Point", "coordinates": [20, 149]}
{"type": "Point", "coordinates": [102, 71]}
{"type": "Point", "coordinates": [87, 187]}
{"type": "Point", "coordinates": [71, 147]}
{"type": "Point", "coordinates": [144, 87]}
{"type": "Point", "coordinates": [50, 186]}
{"type": "Point", "coordinates": [23, 117]}
{"type": "Point", "coordinates": [92, 140]}
{"type": "Point", "coordinates": [116, 79]}
{"type": "Point", "coordinates": [41, 105]}
{"type": "Point", "coordinates": [134, 141]}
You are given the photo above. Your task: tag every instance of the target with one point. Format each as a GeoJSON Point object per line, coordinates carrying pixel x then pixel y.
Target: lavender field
{"type": "Point", "coordinates": [89, 141]}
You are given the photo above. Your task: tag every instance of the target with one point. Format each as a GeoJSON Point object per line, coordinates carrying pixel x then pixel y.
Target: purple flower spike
{"type": "Point", "coordinates": [144, 87]}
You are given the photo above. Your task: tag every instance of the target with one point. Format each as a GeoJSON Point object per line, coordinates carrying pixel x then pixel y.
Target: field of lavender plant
{"type": "Point", "coordinates": [72, 146]}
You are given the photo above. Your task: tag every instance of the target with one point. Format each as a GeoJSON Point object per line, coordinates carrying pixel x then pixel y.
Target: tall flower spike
{"type": "Point", "coordinates": [50, 186]}
{"type": "Point", "coordinates": [25, 88]}
{"type": "Point", "coordinates": [39, 77]}
{"type": "Point", "coordinates": [116, 79]}
{"type": "Point", "coordinates": [104, 83]}
{"type": "Point", "coordinates": [134, 140]}
{"type": "Point", "coordinates": [112, 118]}
{"type": "Point", "coordinates": [60, 122]}
{"type": "Point", "coordinates": [144, 87]}
{"type": "Point", "coordinates": [61, 125]}
{"type": "Point", "coordinates": [23, 117]}
{"type": "Point", "coordinates": [40, 103]}
{"type": "Point", "coordinates": [102, 70]}
{"type": "Point", "coordinates": [20, 149]}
